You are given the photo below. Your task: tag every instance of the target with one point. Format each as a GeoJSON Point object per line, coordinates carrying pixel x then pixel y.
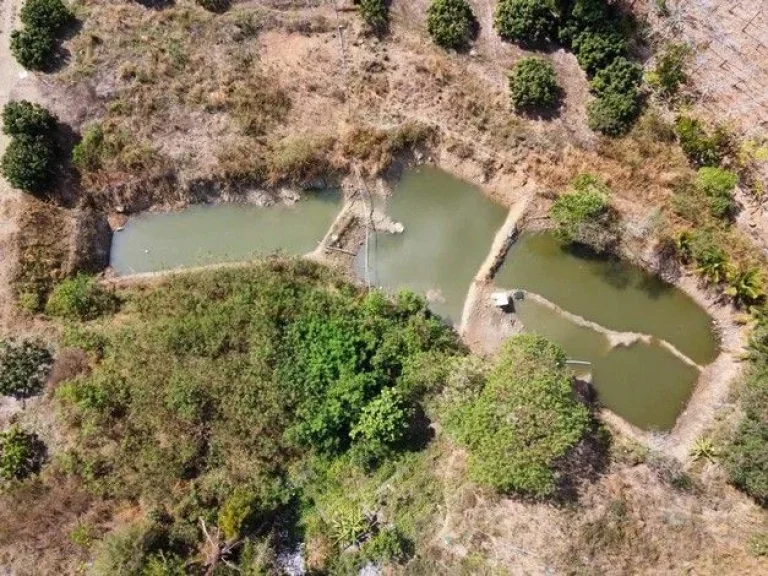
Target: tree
{"type": "Point", "coordinates": [80, 298]}
{"type": "Point", "coordinates": [533, 84]}
{"type": "Point", "coordinates": [596, 50]}
{"type": "Point", "coordinates": [28, 163]}
{"type": "Point", "coordinates": [21, 453]}
{"type": "Point", "coordinates": [613, 113]}
{"type": "Point", "coordinates": [523, 421]}
{"type": "Point", "coordinates": [528, 22]}
{"type": "Point", "coordinates": [620, 76]}
{"type": "Point", "coordinates": [24, 367]}
{"type": "Point", "coordinates": [33, 48]}
{"type": "Point", "coordinates": [47, 15]}
{"type": "Point", "coordinates": [450, 23]}
{"type": "Point", "coordinates": [383, 424]}
{"type": "Point", "coordinates": [23, 118]}
{"type": "Point", "coordinates": [375, 13]}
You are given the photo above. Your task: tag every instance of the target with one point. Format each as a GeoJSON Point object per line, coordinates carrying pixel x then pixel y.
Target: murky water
{"type": "Point", "coordinates": [227, 232]}
{"type": "Point", "coordinates": [611, 292]}
{"type": "Point", "coordinates": [644, 383]}
{"type": "Point", "coordinates": [449, 228]}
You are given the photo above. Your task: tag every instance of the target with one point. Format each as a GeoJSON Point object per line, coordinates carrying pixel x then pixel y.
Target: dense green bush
{"type": "Point", "coordinates": [24, 367]}
{"type": "Point", "coordinates": [34, 45]}
{"type": "Point", "coordinates": [375, 14]}
{"type": "Point", "coordinates": [702, 247]}
{"type": "Point", "coordinates": [746, 286]}
{"type": "Point", "coordinates": [29, 160]}
{"type": "Point", "coordinates": [383, 425]}
{"type": "Point", "coordinates": [596, 50]}
{"type": "Point", "coordinates": [49, 15]}
{"type": "Point", "coordinates": [533, 85]}
{"type": "Point", "coordinates": [528, 22]}
{"type": "Point", "coordinates": [701, 147]}
{"type": "Point", "coordinates": [28, 163]}
{"type": "Point", "coordinates": [579, 16]}
{"type": "Point", "coordinates": [523, 421]}
{"type": "Point", "coordinates": [217, 6]}
{"type": "Point", "coordinates": [718, 184]}
{"type": "Point", "coordinates": [585, 215]}
{"type": "Point", "coordinates": [450, 23]}
{"type": "Point", "coordinates": [613, 113]}
{"type": "Point", "coordinates": [21, 453]}
{"type": "Point", "coordinates": [620, 76]}
{"type": "Point", "coordinates": [670, 70]}
{"type": "Point", "coordinates": [25, 119]}
{"type": "Point", "coordinates": [80, 298]}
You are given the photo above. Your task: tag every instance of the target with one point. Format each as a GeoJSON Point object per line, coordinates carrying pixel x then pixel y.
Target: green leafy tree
{"type": "Point", "coordinates": [524, 420]}
{"type": "Point", "coordinates": [533, 85]}
{"type": "Point", "coordinates": [584, 15]}
{"type": "Point", "coordinates": [21, 453]}
{"type": "Point", "coordinates": [80, 298]}
{"type": "Point", "coordinates": [28, 163]}
{"type": "Point", "coordinates": [585, 215]}
{"type": "Point", "coordinates": [383, 425]}
{"type": "Point", "coordinates": [375, 14]}
{"type": "Point", "coordinates": [620, 76]}
{"type": "Point", "coordinates": [24, 367]}
{"type": "Point", "coordinates": [528, 22]}
{"type": "Point", "coordinates": [33, 48]}
{"type": "Point", "coordinates": [450, 23]}
{"type": "Point", "coordinates": [596, 50]}
{"type": "Point", "coordinates": [613, 113]}
{"type": "Point", "coordinates": [25, 119]}
{"type": "Point", "coordinates": [48, 15]}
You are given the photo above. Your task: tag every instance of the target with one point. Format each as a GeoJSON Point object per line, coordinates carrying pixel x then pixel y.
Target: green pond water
{"type": "Point", "coordinates": [644, 383]}
{"type": "Point", "coordinates": [226, 232]}
{"type": "Point", "coordinates": [449, 229]}
{"type": "Point", "coordinates": [611, 292]}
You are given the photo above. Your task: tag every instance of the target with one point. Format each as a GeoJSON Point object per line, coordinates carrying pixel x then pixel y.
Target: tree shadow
{"type": "Point", "coordinates": [156, 4]}
{"type": "Point", "coordinates": [66, 186]}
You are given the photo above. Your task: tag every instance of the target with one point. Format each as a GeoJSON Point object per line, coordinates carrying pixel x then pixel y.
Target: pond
{"type": "Point", "coordinates": [225, 232]}
{"type": "Point", "coordinates": [644, 383]}
{"type": "Point", "coordinates": [449, 228]}
{"type": "Point", "coordinates": [610, 292]}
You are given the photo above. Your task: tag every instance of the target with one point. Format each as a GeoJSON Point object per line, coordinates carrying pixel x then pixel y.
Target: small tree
{"type": "Point", "coordinates": [528, 22]}
{"type": "Point", "coordinates": [21, 453]}
{"type": "Point", "coordinates": [80, 298]}
{"type": "Point", "coordinates": [28, 163]}
{"type": "Point", "coordinates": [613, 113]}
{"type": "Point", "coordinates": [533, 84]}
{"type": "Point", "coordinates": [33, 48]}
{"type": "Point", "coordinates": [383, 424]}
{"type": "Point", "coordinates": [620, 76]}
{"type": "Point", "coordinates": [22, 118]}
{"type": "Point", "coordinates": [375, 14]}
{"type": "Point", "coordinates": [450, 23]}
{"type": "Point", "coordinates": [24, 367]}
{"type": "Point", "coordinates": [596, 50]}
{"type": "Point", "coordinates": [48, 15]}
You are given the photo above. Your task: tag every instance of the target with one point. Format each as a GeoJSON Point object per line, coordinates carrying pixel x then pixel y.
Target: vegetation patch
{"type": "Point", "coordinates": [528, 22]}
{"type": "Point", "coordinates": [80, 298]}
{"type": "Point", "coordinates": [29, 160]}
{"type": "Point", "coordinates": [34, 46]}
{"type": "Point", "coordinates": [522, 421]}
{"type": "Point", "coordinates": [24, 367]}
{"type": "Point", "coordinates": [375, 14]}
{"type": "Point", "coordinates": [21, 454]}
{"type": "Point", "coordinates": [533, 85]}
{"type": "Point", "coordinates": [451, 23]}
{"type": "Point", "coordinates": [585, 215]}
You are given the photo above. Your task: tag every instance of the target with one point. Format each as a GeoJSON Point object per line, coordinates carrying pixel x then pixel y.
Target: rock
{"type": "Point", "coordinates": [398, 228]}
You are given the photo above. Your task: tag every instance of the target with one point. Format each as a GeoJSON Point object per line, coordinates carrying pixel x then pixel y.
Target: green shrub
{"type": "Point", "coordinates": [620, 76]}
{"type": "Point", "coordinates": [24, 367]}
{"type": "Point", "coordinates": [718, 184]}
{"type": "Point", "coordinates": [33, 48]}
{"type": "Point", "coordinates": [389, 546]}
{"type": "Point", "coordinates": [613, 113]}
{"type": "Point", "coordinates": [585, 15]}
{"type": "Point", "coordinates": [596, 50]}
{"type": "Point", "coordinates": [375, 14]}
{"type": "Point", "coordinates": [585, 215]}
{"type": "Point", "coordinates": [701, 148]}
{"type": "Point", "coordinates": [710, 258]}
{"type": "Point", "coordinates": [21, 453]}
{"type": "Point", "coordinates": [126, 550]}
{"type": "Point", "coordinates": [528, 22]}
{"type": "Point", "coordinates": [80, 298]}
{"type": "Point", "coordinates": [48, 15]}
{"type": "Point", "coordinates": [450, 23]}
{"type": "Point", "coordinates": [28, 163]}
{"type": "Point", "coordinates": [523, 421]}
{"type": "Point", "coordinates": [87, 154]}
{"type": "Point", "coordinates": [533, 85]}
{"type": "Point", "coordinates": [217, 6]}
{"type": "Point", "coordinates": [383, 425]}
{"type": "Point", "coordinates": [669, 73]}
{"type": "Point", "coordinates": [746, 286]}
{"type": "Point", "coordinates": [25, 119]}
{"type": "Point", "coordinates": [236, 513]}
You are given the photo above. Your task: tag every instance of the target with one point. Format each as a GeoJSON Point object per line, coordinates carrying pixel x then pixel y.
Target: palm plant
{"type": "Point", "coordinates": [745, 286]}
{"type": "Point", "coordinates": [712, 265]}
{"type": "Point", "coordinates": [704, 449]}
